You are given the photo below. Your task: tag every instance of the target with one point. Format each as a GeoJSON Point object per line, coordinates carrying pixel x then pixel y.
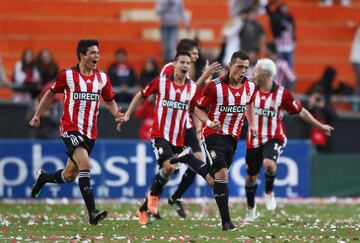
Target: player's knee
{"type": "Point", "coordinates": [70, 176]}
{"type": "Point", "coordinates": [168, 168]}
{"type": "Point", "coordinates": [269, 165]}
{"type": "Point", "coordinates": [222, 174]}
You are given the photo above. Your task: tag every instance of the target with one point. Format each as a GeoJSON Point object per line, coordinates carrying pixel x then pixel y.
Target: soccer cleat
{"type": "Point", "coordinates": [143, 217]}
{"type": "Point", "coordinates": [270, 201]}
{"type": "Point", "coordinates": [178, 205]}
{"type": "Point", "coordinates": [152, 203]}
{"type": "Point", "coordinates": [251, 214]}
{"type": "Point", "coordinates": [177, 159]}
{"type": "Point", "coordinates": [96, 216]}
{"type": "Point", "coordinates": [228, 226]}
{"type": "Point", "coordinates": [39, 183]}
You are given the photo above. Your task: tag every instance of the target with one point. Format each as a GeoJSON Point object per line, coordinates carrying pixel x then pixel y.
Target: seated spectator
{"type": "Point", "coordinates": [323, 113]}
{"type": "Point", "coordinates": [149, 72]}
{"type": "Point", "coordinates": [122, 77]}
{"type": "Point", "coordinates": [326, 83]}
{"type": "Point", "coordinates": [284, 74]}
{"type": "Point", "coordinates": [47, 66]}
{"type": "Point", "coordinates": [26, 79]}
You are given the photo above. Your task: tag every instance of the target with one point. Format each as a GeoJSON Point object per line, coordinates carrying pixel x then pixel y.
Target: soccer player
{"type": "Point", "coordinates": [191, 46]}
{"type": "Point", "coordinates": [83, 86]}
{"type": "Point", "coordinates": [176, 96]}
{"type": "Point", "coordinates": [270, 101]}
{"type": "Point", "coordinates": [227, 99]}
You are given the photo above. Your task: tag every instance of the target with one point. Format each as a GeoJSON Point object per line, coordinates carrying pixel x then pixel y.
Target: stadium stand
{"type": "Point", "coordinates": [324, 34]}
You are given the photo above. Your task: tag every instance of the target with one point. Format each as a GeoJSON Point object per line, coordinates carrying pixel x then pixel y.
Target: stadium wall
{"type": "Point", "coordinates": [125, 168]}
{"type": "Point", "coordinates": [335, 175]}
{"type": "Point", "coordinates": [17, 116]}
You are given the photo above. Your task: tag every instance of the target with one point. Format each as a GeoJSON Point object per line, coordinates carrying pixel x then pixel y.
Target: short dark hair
{"type": "Point", "coordinates": [182, 53]}
{"type": "Point", "coordinates": [239, 54]}
{"type": "Point", "coordinates": [83, 46]}
{"type": "Point", "coordinates": [186, 45]}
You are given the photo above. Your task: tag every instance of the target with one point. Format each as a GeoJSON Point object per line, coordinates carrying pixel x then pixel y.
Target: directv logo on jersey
{"type": "Point", "coordinates": [264, 112]}
{"type": "Point", "coordinates": [175, 104]}
{"type": "Point", "coordinates": [232, 108]}
{"type": "Point", "coordinates": [86, 96]}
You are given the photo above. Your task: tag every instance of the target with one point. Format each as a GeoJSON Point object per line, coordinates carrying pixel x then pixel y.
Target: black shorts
{"type": "Point", "coordinates": [74, 139]}
{"type": "Point", "coordinates": [221, 149]}
{"type": "Point", "coordinates": [255, 156]}
{"type": "Point", "coordinates": [164, 150]}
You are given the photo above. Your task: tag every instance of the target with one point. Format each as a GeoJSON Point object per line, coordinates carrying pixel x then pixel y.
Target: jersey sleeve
{"type": "Point", "coordinates": [151, 87]}
{"type": "Point", "coordinates": [167, 70]}
{"type": "Point", "coordinates": [207, 96]}
{"type": "Point", "coordinates": [289, 104]}
{"type": "Point", "coordinates": [107, 92]}
{"type": "Point", "coordinates": [60, 82]}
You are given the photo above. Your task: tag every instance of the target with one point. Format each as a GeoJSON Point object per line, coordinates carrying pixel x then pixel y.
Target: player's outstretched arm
{"type": "Point", "coordinates": [44, 104]}
{"type": "Point", "coordinates": [251, 119]}
{"type": "Point", "coordinates": [135, 102]}
{"type": "Point", "coordinates": [307, 117]}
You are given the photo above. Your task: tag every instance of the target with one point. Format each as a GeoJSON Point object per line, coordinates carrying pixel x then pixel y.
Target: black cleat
{"type": "Point", "coordinates": [39, 183]}
{"type": "Point", "coordinates": [178, 158]}
{"type": "Point", "coordinates": [96, 216]}
{"type": "Point", "coordinates": [178, 205]}
{"type": "Point", "coordinates": [153, 217]}
{"type": "Point", "coordinates": [228, 226]}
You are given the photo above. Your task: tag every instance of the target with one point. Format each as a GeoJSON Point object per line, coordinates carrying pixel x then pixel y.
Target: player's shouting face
{"type": "Point", "coordinates": [91, 58]}
{"type": "Point", "coordinates": [238, 69]}
{"type": "Point", "coordinates": [182, 65]}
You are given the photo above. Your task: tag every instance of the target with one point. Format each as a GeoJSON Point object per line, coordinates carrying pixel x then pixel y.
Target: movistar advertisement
{"type": "Point", "coordinates": [124, 169]}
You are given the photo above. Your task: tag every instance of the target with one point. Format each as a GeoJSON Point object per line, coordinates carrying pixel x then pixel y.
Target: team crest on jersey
{"type": "Point", "coordinates": [213, 154]}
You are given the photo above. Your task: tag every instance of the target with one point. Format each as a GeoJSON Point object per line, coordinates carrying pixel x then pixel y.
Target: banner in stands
{"type": "Point", "coordinates": [125, 169]}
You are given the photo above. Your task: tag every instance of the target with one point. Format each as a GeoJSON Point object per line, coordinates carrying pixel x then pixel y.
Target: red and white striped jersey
{"type": "Point", "coordinates": [269, 110]}
{"type": "Point", "coordinates": [167, 72]}
{"type": "Point", "coordinates": [81, 99]}
{"type": "Point", "coordinates": [226, 105]}
{"type": "Point", "coordinates": [173, 103]}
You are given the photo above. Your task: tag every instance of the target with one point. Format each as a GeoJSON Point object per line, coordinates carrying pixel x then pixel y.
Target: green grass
{"type": "Point", "coordinates": [305, 222]}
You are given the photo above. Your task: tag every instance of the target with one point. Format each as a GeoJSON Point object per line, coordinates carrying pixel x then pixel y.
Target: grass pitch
{"type": "Point", "coordinates": [310, 221]}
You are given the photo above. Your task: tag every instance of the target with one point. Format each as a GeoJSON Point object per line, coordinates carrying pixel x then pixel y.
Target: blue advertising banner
{"type": "Point", "coordinates": [125, 169]}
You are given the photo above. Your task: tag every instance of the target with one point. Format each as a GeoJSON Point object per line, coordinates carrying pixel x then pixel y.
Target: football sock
{"type": "Point", "coordinates": [250, 189]}
{"type": "Point", "coordinates": [55, 177]}
{"type": "Point", "coordinates": [221, 194]}
{"type": "Point", "coordinates": [159, 182]}
{"type": "Point", "coordinates": [86, 190]}
{"type": "Point", "coordinates": [269, 184]}
{"type": "Point", "coordinates": [201, 167]}
{"type": "Point", "coordinates": [186, 181]}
